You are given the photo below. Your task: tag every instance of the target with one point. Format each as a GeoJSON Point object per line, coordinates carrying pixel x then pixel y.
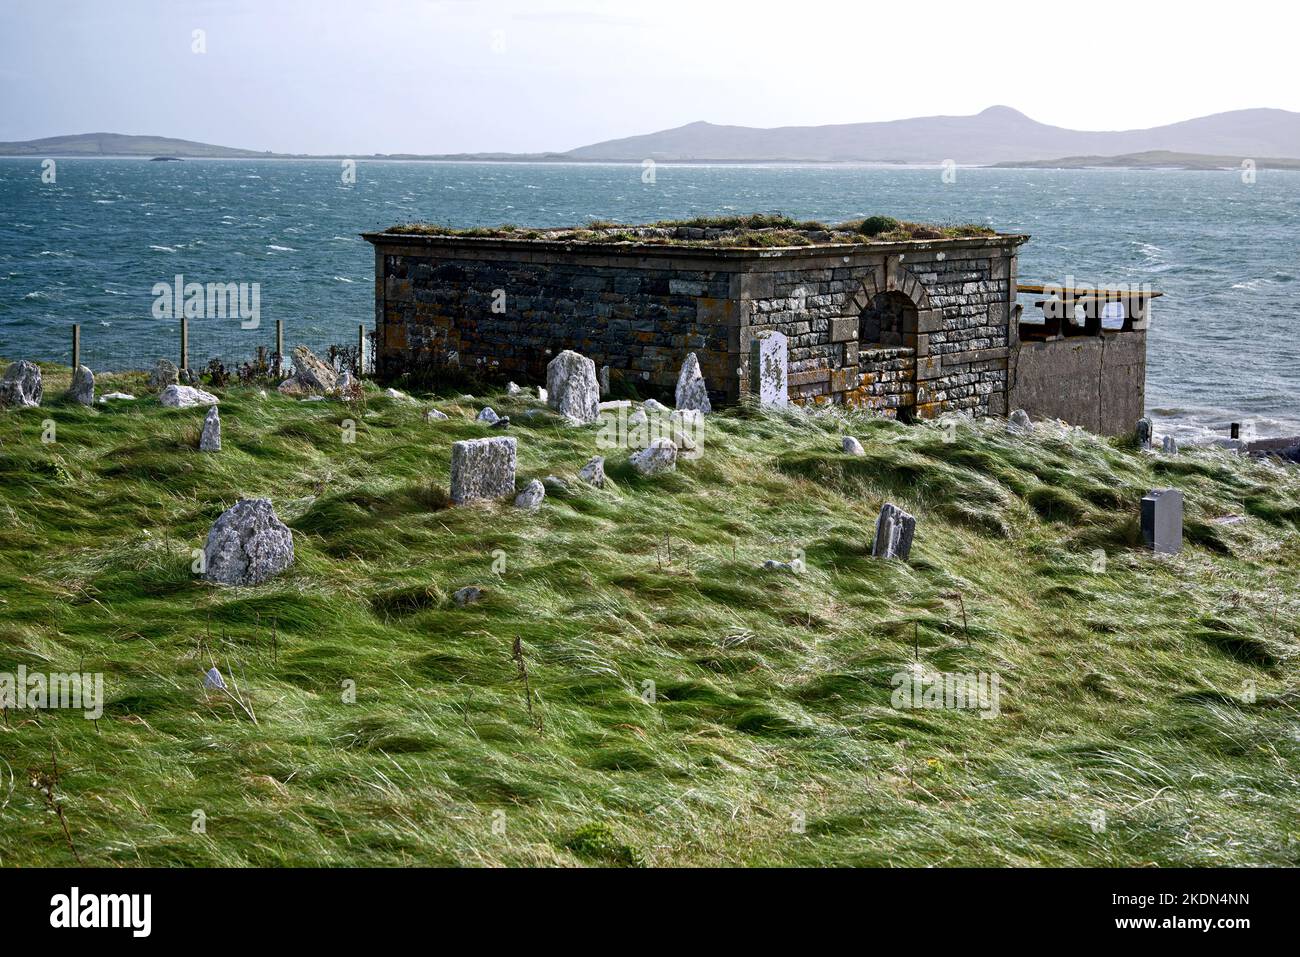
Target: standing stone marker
{"type": "Point", "coordinates": [894, 531]}
{"type": "Point", "coordinates": [692, 392]}
{"type": "Point", "coordinates": [852, 446]}
{"type": "Point", "coordinates": [1019, 421]}
{"type": "Point", "coordinates": [83, 386]}
{"type": "Point", "coordinates": [1162, 521]}
{"type": "Point", "coordinates": [247, 544]}
{"type": "Point", "coordinates": [210, 440]}
{"type": "Point", "coordinates": [769, 369]}
{"type": "Point", "coordinates": [604, 381]}
{"type": "Point", "coordinates": [483, 468]}
{"type": "Point", "coordinates": [594, 472]}
{"type": "Point", "coordinates": [21, 386]}
{"type": "Point", "coordinates": [532, 495]}
{"type": "Point", "coordinates": [1170, 445]}
{"type": "Point", "coordinates": [164, 374]}
{"type": "Point", "coordinates": [1144, 432]}
{"type": "Point", "coordinates": [571, 387]}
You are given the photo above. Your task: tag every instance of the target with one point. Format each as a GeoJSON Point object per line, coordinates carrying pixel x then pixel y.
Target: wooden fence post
{"type": "Point", "coordinates": [185, 343]}
{"type": "Point", "coordinates": [279, 346]}
{"type": "Point", "coordinates": [76, 346]}
{"type": "Point", "coordinates": [361, 350]}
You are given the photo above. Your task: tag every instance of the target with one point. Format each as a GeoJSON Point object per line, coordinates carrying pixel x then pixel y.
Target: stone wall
{"type": "Point", "coordinates": [1098, 382]}
{"type": "Point", "coordinates": [508, 305]}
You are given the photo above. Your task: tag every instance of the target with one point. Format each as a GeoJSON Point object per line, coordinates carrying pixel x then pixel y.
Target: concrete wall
{"type": "Point", "coordinates": [641, 308]}
{"type": "Point", "coordinates": [1098, 382]}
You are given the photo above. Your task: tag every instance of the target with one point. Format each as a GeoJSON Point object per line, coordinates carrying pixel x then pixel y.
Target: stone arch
{"type": "Point", "coordinates": [891, 277]}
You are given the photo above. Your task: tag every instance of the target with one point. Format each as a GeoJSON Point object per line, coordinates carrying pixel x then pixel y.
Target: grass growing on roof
{"type": "Point", "coordinates": [1123, 689]}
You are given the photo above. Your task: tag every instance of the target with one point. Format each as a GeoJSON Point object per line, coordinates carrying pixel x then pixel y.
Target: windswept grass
{"type": "Point", "coordinates": [687, 706]}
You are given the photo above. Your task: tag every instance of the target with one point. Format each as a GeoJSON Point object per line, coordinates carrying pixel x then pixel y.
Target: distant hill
{"type": "Point", "coordinates": [119, 144]}
{"type": "Point", "coordinates": [1155, 159]}
{"type": "Point", "coordinates": [998, 135]}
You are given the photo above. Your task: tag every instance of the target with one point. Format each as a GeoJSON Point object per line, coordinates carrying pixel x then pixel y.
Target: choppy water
{"type": "Point", "coordinates": [90, 246]}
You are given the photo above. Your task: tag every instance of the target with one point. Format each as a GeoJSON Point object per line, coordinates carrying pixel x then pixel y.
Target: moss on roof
{"type": "Point", "coordinates": [756, 230]}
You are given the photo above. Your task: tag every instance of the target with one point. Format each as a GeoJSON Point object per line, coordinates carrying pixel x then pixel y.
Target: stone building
{"type": "Point", "coordinates": [910, 327]}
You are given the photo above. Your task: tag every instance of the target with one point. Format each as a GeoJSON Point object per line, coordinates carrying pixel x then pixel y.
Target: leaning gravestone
{"type": "Point", "coordinates": [1162, 521]}
{"type": "Point", "coordinates": [532, 495]}
{"type": "Point", "coordinates": [692, 393]}
{"type": "Point", "coordinates": [483, 469]}
{"type": "Point", "coordinates": [571, 387]}
{"type": "Point", "coordinates": [769, 369]}
{"type": "Point", "coordinates": [1144, 433]}
{"type": "Point", "coordinates": [894, 531]}
{"type": "Point", "coordinates": [247, 544]}
{"type": "Point", "coordinates": [659, 456]}
{"type": "Point", "coordinates": [83, 386]}
{"type": "Point", "coordinates": [311, 375]}
{"type": "Point", "coordinates": [21, 385]}
{"type": "Point", "coordinates": [210, 440]}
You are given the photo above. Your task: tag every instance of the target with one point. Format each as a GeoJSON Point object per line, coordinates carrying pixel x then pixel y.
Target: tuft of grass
{"type": "Point", "coordinates": [683, 704]}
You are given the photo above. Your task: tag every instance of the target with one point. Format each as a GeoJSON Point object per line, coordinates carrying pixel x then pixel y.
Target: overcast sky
{"type": "Point", "coordinates": [438, 76]}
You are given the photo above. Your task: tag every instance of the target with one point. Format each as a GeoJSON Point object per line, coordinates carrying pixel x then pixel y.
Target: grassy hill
{"type": "Point", "coordinates": [1123, 686]}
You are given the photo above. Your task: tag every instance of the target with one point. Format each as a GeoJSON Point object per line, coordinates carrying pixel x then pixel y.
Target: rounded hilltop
{"type": "Point", "coordinates": [755, 230]}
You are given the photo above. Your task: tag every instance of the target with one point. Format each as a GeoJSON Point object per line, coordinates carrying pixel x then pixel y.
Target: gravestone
{"type": "Point", "coordinates": [83, 386]}
{"type": "Point", "coordinates": [1019, 421]}
{"type": "Point", "coordinates": [594, 472]}
{"type": "Point", "coordinates": [1170, 445]}
{"type": "Point", "coordinates": [482, 469]}
{"type": "Point", "coordinates": [604, 381]}
{"type": "Point", "coordinates": [852, 446]}
{"type": "Point", "coordinates": [1162, 521]}
{"type": "Point", "coordinates": [210, 440]}
{"type": "Point", "coordinates": [571, 387]}
{"type": "Point", "coordinates": [247, 544]}
{"type": "Point", "coordinates": [769, 369]}
{"type": "Point", "coordinates": [185, 396]}
{"type": "Point", "coordinates": [692, 392]}
{"type": "Point", "coordinates": [489, 416]}
{"type": "Point", "coordinates": [1144, 433]}
{"type": "Point", "coordinates": [21, 386]}
{"type": "Point", "coordinates": [164, 374]}
{"type": "Point", "coordinates": [894, 531]}
{"type": "Point", "coordinates": [659, 456]}
{"type": "Point", "coordinates": [532, 495]}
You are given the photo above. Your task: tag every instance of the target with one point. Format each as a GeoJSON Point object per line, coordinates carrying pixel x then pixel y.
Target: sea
{"type": "Point", "coordinates": [94, 241]}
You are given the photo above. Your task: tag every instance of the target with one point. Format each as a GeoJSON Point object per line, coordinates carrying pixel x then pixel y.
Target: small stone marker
{"type": "Point", "coordinates": [489, 416]}
{"type": "Point", "coordinates": [247, 544]}
{"type": "Point", "coordinates": [852, 446]}
{"type": "Point", "coordinates": [1162, 521]}
{"type": "Point", "coordinates": [769, 369]}
{"type": "Point", "coordinates": [692, 392]}
{"type": "Point", "coordinates": [512, 389]}
{"type": "Point", "coordinates": [532, 495]}
{"type": "Point", "coordinates": [116, 397]}
{"type": "Point", "coordinates": [1144, 433]}
{"type": "Point", "coordinates": [210, 440]}
{"type": "Point", "coordinates": [604, 381]}
{"type": "Point", "coordinates": [311, 375]}
{"type": "Point", "coordinates": [654, 405]}
{"type": "Point", "coordinates": [164, 374]}
{"type": "Point", "coordinates": [433, 415]}
{"type": "Point", "coordinates": [483, 468]}
{"type": "Point", "coordinates": [83, 386]}
{"type": "Point", "coordinates": [657, 457]}
{"type": "Point", "coordinates": [468, 595]}
{"type": "Point", "coordinates": [185, 396]}
{"type": "Point", "coordinates": [1170, 445]}
{"type": "Point", "coordinates": [594, 472]}
{"type": "Point", "coordinates": [212, 681]}
{"type": "Point", "coordinates": [894, 531]}
{"type": "Point", "coordinates": [1019, 421]}
{"type": "Point", "coordinates": [21, 386]}
{"type": "Point", "coordinates": [772, 565]}
{"type": "Point", "coordinates": [571, 387]}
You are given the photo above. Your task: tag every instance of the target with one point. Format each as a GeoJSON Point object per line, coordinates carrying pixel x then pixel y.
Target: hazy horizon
{"type": "Point", "coordinates": [450, 76]}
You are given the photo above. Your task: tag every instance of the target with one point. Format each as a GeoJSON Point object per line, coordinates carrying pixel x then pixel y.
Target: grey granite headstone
{"type": "Point", "coordinates": [1162, 521]}
{"type": "Point", "coordinates": [604, 381]}
{"type": "Point", "coordinates": [483, 468]}
{"type": "Point", "coordinates": [532, 495]}
{"type": "Point", "coordinates": [894, 531]}
{"type": "Point", "coordinates": [21, 386]}
{"type": "Point", "coordinates": [692, 393]}
{"type": "Point", "coordinates": [769, 369]}
{"type": "Point", "coordinates": [1144, 433]}
{"type": "Point", "coordinates": [852, 446]}
{"type": "Point", "coordinates": [571, 387]}
{"type": "Point", "coordinates": [1170, 445]}
{"type": "Point", "coordinates": [210, 440]}
{"type": "Point", "coordinates": [83, 386]}
{"type": "Point", "coordinates": [594, 472]}
{"type": "Point", "coordinates": [247, 544]}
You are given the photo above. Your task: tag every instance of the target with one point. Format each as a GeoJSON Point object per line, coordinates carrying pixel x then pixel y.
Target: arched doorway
{"type": "Point", "coordinates": [888, 322]}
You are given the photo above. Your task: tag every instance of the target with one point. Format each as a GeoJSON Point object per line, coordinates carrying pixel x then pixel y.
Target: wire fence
{"type": "Point", "coordinates": [219, 349]}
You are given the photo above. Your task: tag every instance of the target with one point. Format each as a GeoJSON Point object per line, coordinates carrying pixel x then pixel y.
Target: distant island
{"type": "Point", "coordinates": [999, 136]}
